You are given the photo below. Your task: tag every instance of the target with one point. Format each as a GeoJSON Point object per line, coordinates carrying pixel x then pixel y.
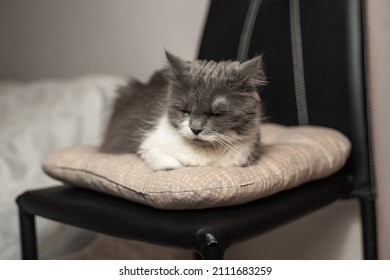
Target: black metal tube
{"type": "Point", "coordinates": [368, 214]}
{"type": "Point", "coordinates": [28, 236]}
{"type": "Point", "coordinates": [212, 252]}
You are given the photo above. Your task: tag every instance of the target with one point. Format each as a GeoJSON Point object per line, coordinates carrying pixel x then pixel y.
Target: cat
{"type": "Point", "coordinates": [199, 113]}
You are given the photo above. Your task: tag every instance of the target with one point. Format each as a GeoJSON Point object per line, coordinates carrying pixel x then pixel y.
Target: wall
{"type": "Point", "coordinates": [51, 39]}
{"type": "Point", "coordinates": [379, 69]}
{"type": "Point", "coordinates": [60, 39]}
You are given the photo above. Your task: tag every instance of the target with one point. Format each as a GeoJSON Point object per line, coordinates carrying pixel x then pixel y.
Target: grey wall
{"type": "Point", "coordinates": [60, 39]}
{"type": "Point", "coordinates": [51, 39]}
{"type": "Point", "coordinates": [379, 84]}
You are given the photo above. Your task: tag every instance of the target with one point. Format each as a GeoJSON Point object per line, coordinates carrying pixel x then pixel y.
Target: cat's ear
{"type": "Point", "coordinates": [251, 72]}
{"type": "Point", "coordinates": [176, 63]}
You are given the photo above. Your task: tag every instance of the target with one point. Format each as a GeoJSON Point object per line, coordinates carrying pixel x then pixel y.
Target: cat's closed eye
{"type": "Point", "coordinates": [216, 114]}
{"type": "Point", "coordinates": [182, 110]}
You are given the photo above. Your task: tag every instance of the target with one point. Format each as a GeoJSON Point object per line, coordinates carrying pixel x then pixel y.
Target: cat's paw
{"type": "Point", "coordinates": [164, 162]}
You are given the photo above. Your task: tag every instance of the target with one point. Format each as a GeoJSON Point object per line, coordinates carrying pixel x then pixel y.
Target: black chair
{"type": "Point", "coordinates": [314, 59]}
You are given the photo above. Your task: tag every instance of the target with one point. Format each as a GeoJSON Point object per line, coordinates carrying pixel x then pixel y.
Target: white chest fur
{"type": "Point", "coordinates": [164, 148]}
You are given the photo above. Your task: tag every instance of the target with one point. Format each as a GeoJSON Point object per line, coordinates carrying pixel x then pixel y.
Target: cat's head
{"type": "Point", "coordinates": [214, 102]}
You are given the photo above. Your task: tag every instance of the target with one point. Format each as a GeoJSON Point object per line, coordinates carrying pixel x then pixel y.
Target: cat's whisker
{"type": "Point", "coordinates": [235, 142]}
{"type": "Point", "coordinates": [223, 144]}
{"type": "Point", "coordinates": [229, 145]}
{"type": "Point", "coordinates": [213, 144]}
{"type": "Point", "coordinates": [237, 145]}
{"type": "Point", "coordinates": [229, 140]}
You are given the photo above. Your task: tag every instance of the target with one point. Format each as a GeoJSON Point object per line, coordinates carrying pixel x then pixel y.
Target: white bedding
{"type": "Point", "coordinates": [36, 118]}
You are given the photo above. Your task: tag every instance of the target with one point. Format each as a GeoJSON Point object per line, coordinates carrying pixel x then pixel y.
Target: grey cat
{"type": "Point", "coordinates": [200, 113]}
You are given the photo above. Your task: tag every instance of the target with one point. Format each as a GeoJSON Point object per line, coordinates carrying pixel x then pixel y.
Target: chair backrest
{"type": "Point", "coordinates": [314, 61]}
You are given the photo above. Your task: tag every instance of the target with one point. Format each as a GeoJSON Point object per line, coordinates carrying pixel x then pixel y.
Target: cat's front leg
{"type": "Point", "coordinates": [157, 160]}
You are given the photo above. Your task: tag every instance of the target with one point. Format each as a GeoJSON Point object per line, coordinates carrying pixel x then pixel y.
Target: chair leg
{"type": "Point", "coordinates": [28, 236]}
{"type": "Point", "coordinates": [209, 246]}
{"type": "Point", "coordinates": [368, 214]}
{"type": "Point", "coordinates": [212, 252]}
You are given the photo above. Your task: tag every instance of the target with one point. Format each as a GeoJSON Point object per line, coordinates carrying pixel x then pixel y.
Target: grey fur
{"type": "Point", "coordinates": [218, 97]}
{"type": "Point", "coordinates": [136, 108]}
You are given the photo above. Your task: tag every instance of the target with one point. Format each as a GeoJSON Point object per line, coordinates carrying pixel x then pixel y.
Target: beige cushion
{"type": "Point", "coordinates": [292, 156]}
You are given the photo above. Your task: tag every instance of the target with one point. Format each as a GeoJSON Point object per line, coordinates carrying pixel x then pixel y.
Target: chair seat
{"type": "Point", "coordinates": [189, 229]}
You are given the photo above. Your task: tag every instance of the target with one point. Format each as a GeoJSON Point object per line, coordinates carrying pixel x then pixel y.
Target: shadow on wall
{"type": "Point", "coordinates": [317, 236]}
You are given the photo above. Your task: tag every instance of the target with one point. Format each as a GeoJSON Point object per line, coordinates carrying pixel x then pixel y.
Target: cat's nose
{"type": "Point", "coordinates": [196, 131]}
